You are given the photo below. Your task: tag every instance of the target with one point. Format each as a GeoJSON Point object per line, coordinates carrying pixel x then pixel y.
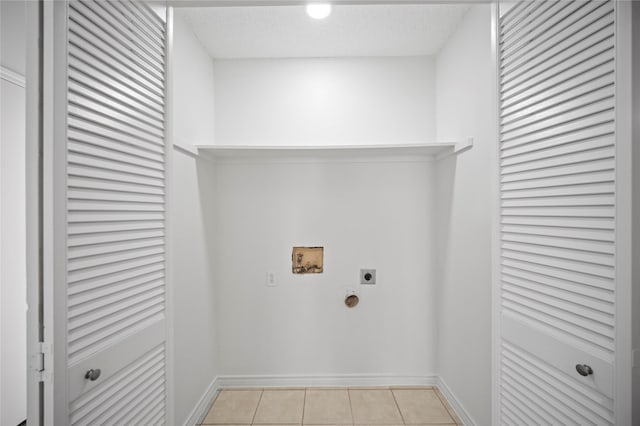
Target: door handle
{"type": "Point", "coordinates": [92, 374]}
{"type": "Point", "coordinates": [584, 370]}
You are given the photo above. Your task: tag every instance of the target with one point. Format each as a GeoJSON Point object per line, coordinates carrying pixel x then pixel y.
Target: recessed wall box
{"type": "Point", "coordinates": [367, 276]}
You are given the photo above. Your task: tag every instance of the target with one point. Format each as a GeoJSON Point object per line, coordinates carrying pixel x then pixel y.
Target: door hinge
{"type": "Point", "coordinates": [41, 360]}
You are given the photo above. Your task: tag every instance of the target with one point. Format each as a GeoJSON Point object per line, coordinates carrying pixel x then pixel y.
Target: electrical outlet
{"type": "Point", "coordinates": [271, 279]}
{"type": "Point", "coordinates": [367, 276]}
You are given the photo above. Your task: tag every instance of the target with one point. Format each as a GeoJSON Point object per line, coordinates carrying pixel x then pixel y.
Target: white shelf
{"type": "Point", "coordinates": [436, 150]}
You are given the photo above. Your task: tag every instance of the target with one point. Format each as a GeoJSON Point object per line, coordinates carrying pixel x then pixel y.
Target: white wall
{"type": "Point", "coordinates": [12, 42]}
{"type": "Point", "coordinates": [191, 220]}
{"type": "Point", "coordinates": [13, 268]}
{"type": "Point", "coordinates": [365, 215]}
{"type": "Point", "coordinates": [324, 101]}
{"type": "Point", "coordinates": [194, 94]}
{"type": "Point", "coordinates": [464, 94]}
{"type": "Point", "coordinates": [13, 327]}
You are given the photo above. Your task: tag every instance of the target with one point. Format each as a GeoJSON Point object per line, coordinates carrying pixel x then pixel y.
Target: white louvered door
{"type": "Point", "coordinates": [110, 230]}
{"type": "Point", "coordinates": [558, 212]}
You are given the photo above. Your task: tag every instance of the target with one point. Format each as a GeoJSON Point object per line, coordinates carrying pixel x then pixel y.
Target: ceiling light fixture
{"type": "Point", "coordinates": [319, 10]}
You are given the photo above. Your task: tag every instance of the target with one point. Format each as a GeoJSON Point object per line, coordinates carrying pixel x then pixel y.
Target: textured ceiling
{"type": "Point", "coordinates": [350, 30]}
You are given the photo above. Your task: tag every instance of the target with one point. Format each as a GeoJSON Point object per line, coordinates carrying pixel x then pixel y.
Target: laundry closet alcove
{"type": "Point", "coordinates": [358, 146]}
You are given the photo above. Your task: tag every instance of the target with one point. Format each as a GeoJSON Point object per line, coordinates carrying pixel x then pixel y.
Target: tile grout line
{"type": "Point", "coordinates": [353, 420]}
{"type": "Point", "coordinates": [404, 422]}
{"type": "Point", "coordinates": [446, 405]}
{"type": "Point", "coordinates": [304, 405]}
{"type": "Point", "coordinates": [253, 419]}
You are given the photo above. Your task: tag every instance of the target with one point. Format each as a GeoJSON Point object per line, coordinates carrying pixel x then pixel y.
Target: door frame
{"type": "Point", "coordinates": [35, 330]}
{"type": "Point", "coordinates": [46, 201]}
{"type": "Point", "coordinates": [623, 363]}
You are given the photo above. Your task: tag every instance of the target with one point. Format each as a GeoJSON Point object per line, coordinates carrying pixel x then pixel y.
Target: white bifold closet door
{"type": "Point", "coordinates": [557, 81]}
{"type": "Point", "coordinates": [110, 295]}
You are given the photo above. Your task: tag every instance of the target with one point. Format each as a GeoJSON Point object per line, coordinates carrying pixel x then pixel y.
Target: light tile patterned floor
{"type": "Point", "coordinates": [386, 406]}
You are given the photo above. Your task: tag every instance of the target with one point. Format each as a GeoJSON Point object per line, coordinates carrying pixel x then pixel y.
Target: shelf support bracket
{"type": "Point", "coordinates": [458, 148]}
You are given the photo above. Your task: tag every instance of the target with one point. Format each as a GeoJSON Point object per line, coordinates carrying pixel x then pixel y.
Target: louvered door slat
{"type": "Point", "coordinates": [588, 234]}
{"type": "Point", "coordinates": [89, 408]}
{"type": "Point", "coordinates": [88, 194]}
{"type": "Point", "coordinates": [86, 141]}
{"type": "Point", "coordinates": [149, 17]}
{"type": "Point", "coordinates": [79, 182]}
{"type": "Point", "coordinates": [598, 121]}
{"type": "Point", "coordinates": [556, 260]}
{"type": "Point", "coordinates": [84, 299]}
{"type": "Point", "coordinates": [86, 229]}
{"type": "Point", "coordinates": [96, 311]}
{"type": "Point", "coordinates": [548, 249]}
{"type": "Point", "coordinates": [91, 38]}
{"type": "Point", "coordinates": [111, 163]}
{"type": "Point", "coordinates": [558, 211]}
{"type": "Point", "coordinates": [554, 118]}
{"type": "Point", "coordinates": [152, 35]}
{"type": "Point", "coordinates": [557, 241]}
{"type": "Point", "coordinates": [137, 276]}
{"type": "Point", "coordinates": [90, 294]}
{"type": "Point", "coordinates": [548, 278]}
{"type": "Point", "coordinates": [549, 15]}
{"type": "Point", "coordinates": [586, 139]}
{"type": "Point", "coordinates": [82, 59]}
{"type": "Point", "coordinates": [595, 177]}
{"type": "Point", "coordinates": [82, 342]}
{"type": "Point", "coordinates": [530, 402]}
{"type": "Point", "coordinates": [517, 17]}
{"type": "Point", "coordinates": [573, 200]}
{"type": "Point", "coordinates": [82, 170]}
{"type": "Point", "coordinates": [566, 48]}
{"type": "Point", "coordinates": [112, 12]}
{"type": "Point", "coordinates": [571, 322]}
{"type": "Point", "coordinates": [589, 81]}
{"type": "Point", "coordinates": [545, 267]}
{"type": "Point", "coordinates": [113, 122]}
{"type": "Point", "coordinates": [584, 398]}
{"type": "Point", "coordinates": [556, 303]}
{"type": "Point", "coordinates": [114, 259]}
{"type": "Point", "coordinates": [104, 106]}
{"type": "Point", "coordinates": [574, 23]}
{"type": "Point", "coordinates": [562, 293]}
{"type": "Point", "coordinates": [598, 163]}
{"type": "Point", "coordinates": [530, 115]}
{"type": "Point", "coordinates": [103, 132]}
{"type": "Point", "coordinates": [581, 155]}
{"type": "Point", "coordinates": [115, 212]}
{"type": "Point", "coordinates": [85, 39]}
{"type": "Point", "coordinates": [515, 76]}
{"type": "Point", "coordinates": [94, 13]}
{"type": "Point", "coordinates": [597, 56]}
{"type": "Point", "coordinates": [559, 191]}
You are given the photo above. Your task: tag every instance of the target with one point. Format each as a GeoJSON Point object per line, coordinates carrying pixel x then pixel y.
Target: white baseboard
{"type": "Point", "coordinates": [201, 409]}
{"type": "Point", "coordinates": [324, 381]}
{"type": "Point", "coordinates": [455, 403]}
